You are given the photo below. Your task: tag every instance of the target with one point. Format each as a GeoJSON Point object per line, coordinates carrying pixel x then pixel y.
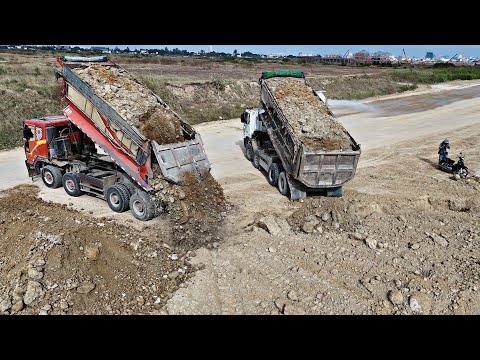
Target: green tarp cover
{"type": "Point", "coordinates": [291, 73]}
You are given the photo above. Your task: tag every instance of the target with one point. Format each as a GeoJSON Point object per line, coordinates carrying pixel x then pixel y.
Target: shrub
{"type": "Point", "coordinates": [218, 82]}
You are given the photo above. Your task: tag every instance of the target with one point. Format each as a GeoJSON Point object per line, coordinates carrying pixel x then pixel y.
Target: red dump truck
{"type": "Point", "coordinates": [93, 149]}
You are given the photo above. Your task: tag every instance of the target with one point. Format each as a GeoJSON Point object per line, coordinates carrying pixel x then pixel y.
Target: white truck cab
{"type": "Point", "coordinates": [251, 122]}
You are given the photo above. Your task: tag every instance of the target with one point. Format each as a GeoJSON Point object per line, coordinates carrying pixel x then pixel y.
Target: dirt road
{"type": "Point", "coordinates": [326, 272]}
{"type": "Point", "coordinates": [403, 239]}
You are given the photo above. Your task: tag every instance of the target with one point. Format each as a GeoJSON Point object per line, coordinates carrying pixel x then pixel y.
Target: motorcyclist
{"type": "Point", "coordinates": [443, 150]}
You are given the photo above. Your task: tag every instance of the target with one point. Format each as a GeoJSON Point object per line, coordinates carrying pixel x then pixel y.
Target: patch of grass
{"type": "Point", "coordinates": [157, 85]}
{"type": "Point", "coordinates": [224, 112]}
{"type": "Point", "coordinates": [434, 75]}
{"type": "Point", "coordinates": [407, 87]}
{"type": "Point", "coordinates": [218, 82]}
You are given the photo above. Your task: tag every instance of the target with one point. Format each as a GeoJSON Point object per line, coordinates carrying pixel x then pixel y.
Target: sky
{"type": "Point", "coordinates": [418, 51]}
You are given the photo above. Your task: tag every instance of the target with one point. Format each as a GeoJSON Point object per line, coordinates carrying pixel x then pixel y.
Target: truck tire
{"type": "Point", "coordinates": [249, 152]}
{"type": "Point", "coordinates": [71, 184]}
{"type": "Point", "coordinates": [52, 176]}
{"type": "Point", "coordinates": [142, 206]}
{"type": "Point", "coordinates": [283, 184]}
{"type": "Point", "coordinates": [118, 198]}
{"type": "Point", "coordinates": [273, 172]}
{"type": "Point", "coordinates": [256, 160]}
{"type": "Point", "coordinates": [335, 192]}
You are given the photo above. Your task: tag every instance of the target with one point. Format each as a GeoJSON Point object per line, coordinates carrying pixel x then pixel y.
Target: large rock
{"type": "Point", "coordinates": [439, 240]}
{"type": "Point", "coordinates": [308, 227]}
{"type": "Point", "coordinates": [34, 274]}
{"type": "Point", "coordinates": [34, 291]}
{"type": "Point", "coordinates": [85, 287]}
{"type": "Point", "coordinates": [5, 304]}
{"type": "Point", "coordinates": [460, 204]}
{"type": "Point", "coordinates": [91, 251]}
{"type": "Point", "coordinates": [371, 242]}
{"type": "Point", "coordinates": [18, 306]}
{"type": "Point", "coordinates": [395, 297]}
{"type": "Point", "coordinates": [269, 223]}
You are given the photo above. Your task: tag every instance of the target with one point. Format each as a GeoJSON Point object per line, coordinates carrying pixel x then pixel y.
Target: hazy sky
{"type": "Point", "coordinates": [411, 50]}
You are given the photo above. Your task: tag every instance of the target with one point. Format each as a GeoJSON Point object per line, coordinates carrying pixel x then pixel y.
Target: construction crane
{"type": "Point", "coordinates": [344, 57]}
{"type": "Point", "coordinates": [405, 60]}
{"type": "Point", "coordinates": [450, 60]}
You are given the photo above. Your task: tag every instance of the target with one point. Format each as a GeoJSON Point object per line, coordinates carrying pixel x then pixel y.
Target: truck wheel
{"type": "Point", "coordinates": [142, 206]}
{"type": "Point", "coordinates": [273, 172]}
{"type": "Point", "coordinates": [52, 176]}
{"type": "Point", "coordinates": [335, 192]}
{"type": "Point", "coordinates": [71, 184]}
{"type": "Point", "coordinates": [249, 152]}
{"type": "Point", "coordinates": [256, 160]}
{"type": "Point", "coordinates": [118, 197]}
{"type": "Point", "coordinates": [283, 184]}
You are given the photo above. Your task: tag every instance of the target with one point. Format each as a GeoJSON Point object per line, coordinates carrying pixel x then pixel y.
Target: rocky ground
{"type": "Point", "coordinates": [54, 260]}
{"type": "Point", "coordinates": [403, 239]}
{"type": "Point", "coordinates": [311, 120]}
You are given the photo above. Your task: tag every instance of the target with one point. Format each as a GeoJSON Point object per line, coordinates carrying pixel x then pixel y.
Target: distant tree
{"type": "Point", "coordinates": [235, 52]}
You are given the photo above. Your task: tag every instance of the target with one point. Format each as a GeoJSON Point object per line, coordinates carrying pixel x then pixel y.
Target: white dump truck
{"type": "Point", "coordinates": [296, 161]}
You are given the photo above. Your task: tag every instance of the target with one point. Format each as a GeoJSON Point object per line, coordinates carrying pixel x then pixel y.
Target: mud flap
{"type": "Point", "coordinates": [335, 192]}
{"type": "Point", "coordinates": [31, 172]}
{"type": "Point", "coordinates": [296, 190]}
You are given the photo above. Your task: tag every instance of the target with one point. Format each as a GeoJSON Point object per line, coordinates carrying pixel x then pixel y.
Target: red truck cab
{"type": "Point", "coordinates": [43, 138]}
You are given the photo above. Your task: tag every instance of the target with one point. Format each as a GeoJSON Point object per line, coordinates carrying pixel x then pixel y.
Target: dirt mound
{"type": "Point", "coordinates": [134, 102]}
{"type": "Point", "coordinates": [55, 260]}
{"type": "Point", "coordinates": [312, 121]}
{"type": "Point", "coordinates": [196, 210]}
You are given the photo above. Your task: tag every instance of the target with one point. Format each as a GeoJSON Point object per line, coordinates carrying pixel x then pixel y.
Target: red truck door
{"type": "Point", "coordinates": [35, 143]}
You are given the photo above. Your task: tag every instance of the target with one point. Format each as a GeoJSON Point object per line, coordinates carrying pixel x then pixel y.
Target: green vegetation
{"type": "Point", "coordinates": [223, 112]}
{"type": "Point", "coordinates": [437, 74]}
{"type": "Point", "coordinates": [218, 82]}
{"type": "Point", "coordinates": [407, 87]}
{"type": "Point", "coordinates": [25, 91]}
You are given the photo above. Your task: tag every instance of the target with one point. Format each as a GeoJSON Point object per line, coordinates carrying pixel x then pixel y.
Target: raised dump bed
{"type": "Point", "coordinates": [132, 119]}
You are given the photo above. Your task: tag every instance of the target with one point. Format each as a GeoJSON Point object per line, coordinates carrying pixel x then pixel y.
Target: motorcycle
{"type": "Point", "coordinates": [458, 168]}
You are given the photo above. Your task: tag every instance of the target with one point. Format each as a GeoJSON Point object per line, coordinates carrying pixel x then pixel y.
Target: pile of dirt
{"type": "Point", "coordinates": [196, 210]}
{"type": "Point", "coordinates": [54, 260]}
{"type": "Point", "coordinates": [134, 102]}
{"type": "Point", "coordinates": [312, 121]}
